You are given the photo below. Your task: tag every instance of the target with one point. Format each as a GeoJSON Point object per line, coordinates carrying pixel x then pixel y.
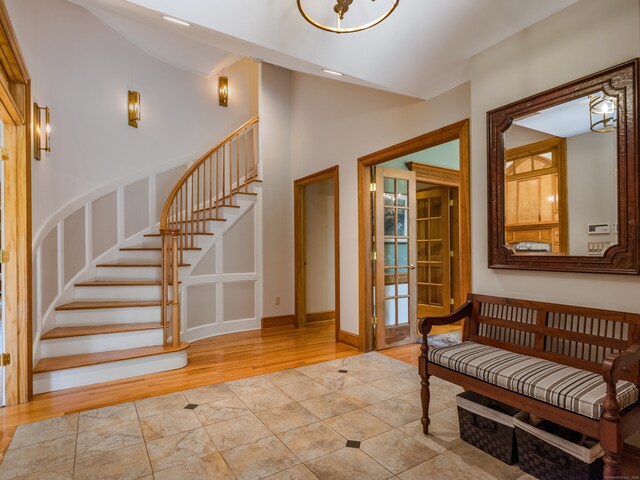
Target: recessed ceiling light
{"type": "Point", "coordinates": [176, 20]}
{"type": "Point", "coordinates": [331, 72]}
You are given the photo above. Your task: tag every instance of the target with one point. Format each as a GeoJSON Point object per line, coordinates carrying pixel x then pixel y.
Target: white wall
{"type": "Point", "coordinates": [587, 37]}
{"type": "Point", "coordinates": [320, 248]}
{"type": "Point", "coordinates": [82, 70]}
{"type": "Point", "coordinates": [333, 123]}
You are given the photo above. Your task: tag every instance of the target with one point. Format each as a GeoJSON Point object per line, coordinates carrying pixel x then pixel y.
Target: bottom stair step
{"type": "Point", "coordinates": [74, 361]}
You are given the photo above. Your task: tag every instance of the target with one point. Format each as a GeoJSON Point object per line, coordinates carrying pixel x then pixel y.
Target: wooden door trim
{"type": "Point", "coordinates": [300, 242]}
{"type": "Point", "coordinates": [457, 131]}
{"type": "Point", "coordinates": [15, 111]}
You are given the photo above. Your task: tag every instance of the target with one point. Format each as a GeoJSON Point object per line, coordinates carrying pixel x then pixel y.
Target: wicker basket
{"type": "Point", "coordinates": [488, 425]}
{"type": "Point", "coordinates": [551, 457]}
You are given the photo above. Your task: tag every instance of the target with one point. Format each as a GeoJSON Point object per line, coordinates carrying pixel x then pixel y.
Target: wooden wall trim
{"type": "Point", "coordinates": [321, 316]}
{"type": "Point", "coordinates": [443, 176]}
{"type": "Point", "coordinates": [279, 321]}
{"type": "Point", "coordinates": [457, 131]}
{"type": "Point", "coordinates": [349, 339]}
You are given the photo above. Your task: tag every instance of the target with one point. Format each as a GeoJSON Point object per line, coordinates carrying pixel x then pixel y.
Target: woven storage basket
{"type": "Point", "coordinates": [488, 425]}
{"type": "Point", "coordinates": [549, 457]}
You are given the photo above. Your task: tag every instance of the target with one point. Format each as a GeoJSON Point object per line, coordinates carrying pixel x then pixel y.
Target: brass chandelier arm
{"type": "Point", "coordinates": [338, 29]}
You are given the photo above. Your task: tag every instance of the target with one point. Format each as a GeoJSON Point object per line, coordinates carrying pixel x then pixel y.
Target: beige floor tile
{"type": "Point", "coordinates": [396, 386]}
{"type": "Point", "coordinates": [259, 397]}
{"type": "Point", "coordinates": [395, 412]}
{"type": "Point", "coordinates": [412, 398]}
{"type": "Point", "coordinates": [330, 405]}
{"type": "Point", "coordinates": [396, 451]}
{"type": "Point", "coordinates": [125, 464]}
{"type": "Point", "coordinates": [107, 416]}
{"type": "Point", "coordinates": [61, 472]}
{"type": "Point", "coordinates": [442, 467]}
{"type": "Point", "coordinates": [364, 395]}
{"type": "Point", "coordinates": [299, 472]}
{"type": "Point", "coordinates": [303, 390]}
{"type": "Point", "coordinates": [369, 373]}
{"type": "Point", "coordinates": [210, 467]}
{"type": "Point", "coordinates": [37, 432]}
{"type": "Point", "coordinates": [215, 412]}
{"type": "Point", "coordinates": [166, 424]}
{"type": "Point", "coordinates": [260, 459]}
{"type": "Point", "coordinates": [348, 464]}
{"type": "Point", "coordinates": [358, 425]}
{"type": "Point", "coordinates": [108, 438]}
{"type": "Point", "coordinates": [285, 377]}
{"type": "Point", "coordinates": [312, 441]}
{"type": "Point", "coordinates": [483, 465]}
{"type": "Point", "coordinates": [38, 457]}
{"type": "Point", "coordinates": [338, 381]}
{"type": "Point", "coordinates": [448, 415]}
{"type": "Point", "coordinates": [238, 431]}
{"type": "Point", "coordinates": [180, 448]}
{"type": "Point", "coordinates": [162, 404]}
{"type": "Point", "coordinates": [207, 394]}
{"type": "Point", "coordinates": [317, 370]}
{"type": "Point", "coordinates": [286, 417]}
{"type": "Point", "coordinates": [257, 381]}
{"type": "Point", "coordinates": [442, 435]}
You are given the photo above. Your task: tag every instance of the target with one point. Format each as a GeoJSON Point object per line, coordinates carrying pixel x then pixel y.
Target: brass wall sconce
{"type": "Point", "coordinates": [603, 111]}
{"type": "Point", "coordinates": [134, 108]}
{"type": "Point", "coordinates": [223, 91]}
{"type": "Point", "coordinates": [37, 131]}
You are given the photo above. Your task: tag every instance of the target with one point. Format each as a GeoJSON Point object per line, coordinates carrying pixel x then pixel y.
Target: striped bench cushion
{"type": "Point", "coordinates": [570, 388]}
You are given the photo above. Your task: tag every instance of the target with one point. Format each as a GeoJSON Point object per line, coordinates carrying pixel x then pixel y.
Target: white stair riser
{"type": "Point", "coordinates": [151, 242]}
{"type": "Point", "coordinates": [106, 372]}
{"type": "Point", "coordinates": [59, 347]}
{"type": "Point", "coordinates": [123, 273]}
{"type": "Point", "coordinates": [105, 316]}
{"type": "Point", "coordinates": [151, 293]}
{"type": "Point", "coordinates": [154, 256]}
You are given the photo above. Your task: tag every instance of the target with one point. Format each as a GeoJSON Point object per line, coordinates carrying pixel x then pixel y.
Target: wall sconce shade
{"type": "Point", "coordinates": [134, 108]}
{"type": "Point", "coordinates": [223, 91]}
{"type": "Point", "coordinates": [603, 110]}
{"type": "Point", "coordinates": [37, 131]}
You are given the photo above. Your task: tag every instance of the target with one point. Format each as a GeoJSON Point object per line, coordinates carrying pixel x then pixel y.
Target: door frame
{"type": "Point", "coordinates": [15, 112]}
{"type": "Point", "coordinates": [299, 218]}
{"type": "Point", "coordinates": [457, 131]}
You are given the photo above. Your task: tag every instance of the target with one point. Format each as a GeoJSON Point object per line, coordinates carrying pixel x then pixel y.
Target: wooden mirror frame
{"type": "Point", "coordinates": [621, 82]}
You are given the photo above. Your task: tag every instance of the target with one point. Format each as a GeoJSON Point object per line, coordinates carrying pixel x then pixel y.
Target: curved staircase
{"type": "Point", "coordinates": [125, 320]}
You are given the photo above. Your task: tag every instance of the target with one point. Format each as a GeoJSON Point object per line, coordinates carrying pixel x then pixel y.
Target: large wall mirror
{"type": "Point", "coordinates": [563, 173]}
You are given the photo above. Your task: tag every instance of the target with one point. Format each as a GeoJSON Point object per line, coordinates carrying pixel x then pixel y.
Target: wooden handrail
{"type": "Point", "coordinates": [194, 201]}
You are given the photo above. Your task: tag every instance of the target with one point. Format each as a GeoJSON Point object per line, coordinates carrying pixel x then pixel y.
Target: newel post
{"type": "Point", "coordinates": [175, 314]}
{"type": "Point", "coordinates": [170, 257]}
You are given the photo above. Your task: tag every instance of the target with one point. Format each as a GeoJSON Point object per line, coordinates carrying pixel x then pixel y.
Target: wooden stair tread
{"type": "Point", "coordinates": [124, 264]}
{"type": "Point", "coordinates": [83, 360]}
{"type": "Point", "coordinates": [120, 283]}
{"type": "Point", "coordinates": [84, 330]}
{"type": "Point", "coordinates": [95, 305]}
{"type": "Point", "coordinates": [184, 234]}
{"type": "Point", "coordinates": [152, 249]}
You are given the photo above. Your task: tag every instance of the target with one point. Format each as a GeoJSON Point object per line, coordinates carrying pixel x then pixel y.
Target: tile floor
{"type": "Point", "coordinates": [352, 418]}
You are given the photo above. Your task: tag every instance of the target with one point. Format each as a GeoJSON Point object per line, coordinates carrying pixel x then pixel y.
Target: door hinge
{"type": "Point", "coordinates": [452, 301]}
{"type": "Point", "coordinates": [372, 187]}
{"type": "Point", "coordinates": [451, 203]}
{"type": "Point", "coordinates": [4, 256]}
{"type": "Point", "coordinates": [4, 154]}
{"type": "Point", "coordinates": [451, 253]}
{"type": "Point", "coordinates": [5, 359]}
{"type": "Point", "coordinates": [374, 320]}
{"type": "Point", "coordinates": [374, 256]}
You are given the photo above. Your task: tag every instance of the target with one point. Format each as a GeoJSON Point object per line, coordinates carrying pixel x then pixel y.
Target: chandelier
{"type": "Point", "coordinates": [320, 16]}
{"type": "Point", "coordinates": [603, 111]}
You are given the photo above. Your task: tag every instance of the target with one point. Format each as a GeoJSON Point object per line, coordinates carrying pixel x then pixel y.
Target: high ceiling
{"type": "Point", "coordinates": [421, 50]}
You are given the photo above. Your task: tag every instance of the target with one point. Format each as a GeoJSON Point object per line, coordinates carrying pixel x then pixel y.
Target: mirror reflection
{"type": "Point", "coordinates": [560, 173]}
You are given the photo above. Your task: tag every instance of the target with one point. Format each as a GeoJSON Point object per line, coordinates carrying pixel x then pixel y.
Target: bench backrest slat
{"type": "Point", "coordinates": [576, 336]}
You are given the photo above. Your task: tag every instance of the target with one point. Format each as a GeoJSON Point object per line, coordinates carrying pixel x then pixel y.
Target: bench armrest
{"type": "Point", "coordinates": [614, 363]}
{"type": "Point", "coordinates": [425, 324]}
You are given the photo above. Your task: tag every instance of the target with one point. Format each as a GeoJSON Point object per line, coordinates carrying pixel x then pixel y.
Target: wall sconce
{"type": "Point", "coordinates": [37, 131]}
{"type": "Point", "coordinates": [603, 112]}
{"type": "Point", "coordinates": [134, 108]}
{"type": "Point", "coordinates": [223, 91]}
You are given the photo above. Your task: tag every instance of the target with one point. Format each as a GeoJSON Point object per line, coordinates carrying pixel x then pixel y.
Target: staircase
{"type": "Point", "coordinates": [124, 321]}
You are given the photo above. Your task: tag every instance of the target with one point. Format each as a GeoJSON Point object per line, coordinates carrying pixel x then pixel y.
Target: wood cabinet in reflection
{"type": "Point", "coordinates": [535, 198]}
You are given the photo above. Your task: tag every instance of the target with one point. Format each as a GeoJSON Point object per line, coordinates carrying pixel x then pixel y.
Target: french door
{"type": "Point", "coordinates": [434, 247]}
{"type": "Point", "coordinates": [395, 285]}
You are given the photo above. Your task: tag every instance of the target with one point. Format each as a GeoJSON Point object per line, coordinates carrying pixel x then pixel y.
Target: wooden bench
{"type": "Point", "coordinates": [591, 386]}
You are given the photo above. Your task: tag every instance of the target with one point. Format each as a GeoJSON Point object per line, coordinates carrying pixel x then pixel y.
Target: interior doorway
{"type": "Point", "coordinates": [317, 250]}
{"type": "Point", "coordinates": [414, 243]}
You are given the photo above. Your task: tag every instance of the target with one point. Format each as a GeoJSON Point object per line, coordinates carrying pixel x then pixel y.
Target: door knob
{"type": "Point", "coordinates": [412, 266]}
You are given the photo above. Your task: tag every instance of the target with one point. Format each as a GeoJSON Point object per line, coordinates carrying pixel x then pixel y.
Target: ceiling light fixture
{"type": "Point", "coordinates": [366, 19]}
{"type": "Point", "coordinates": [603, 112]}
{"type": "Point", "coordinates": [176, 20]}
{"type": "Point", "coordinates": [331, 72]}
